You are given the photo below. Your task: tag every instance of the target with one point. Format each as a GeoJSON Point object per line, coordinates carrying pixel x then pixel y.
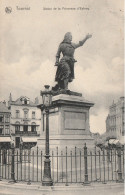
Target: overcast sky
{"type": "Point", "coordinates": [29, 42]}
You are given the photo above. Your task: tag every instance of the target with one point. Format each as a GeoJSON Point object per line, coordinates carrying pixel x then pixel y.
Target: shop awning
{"type": "Point", "coordinates": [116, 142]}
{"type": "Point", "coordinates": [111, 141]}
{"type": "Point", "coordinates": [29, 139]}
{"type": "Point", "coordinates": [122, 140]}
{"type": "Point", "coordinates": [5, 139]}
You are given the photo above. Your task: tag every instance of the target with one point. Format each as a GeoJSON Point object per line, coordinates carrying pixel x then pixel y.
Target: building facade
{"type": "Point", "coordinates": [4, 126]}
{"type": "Point", "coordinates": [25, 121]}
{"type": "Point", "coordinates": [115, 120]}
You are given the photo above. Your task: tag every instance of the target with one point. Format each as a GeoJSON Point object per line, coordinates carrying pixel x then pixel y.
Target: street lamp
{"type": "Point", "coordinates": [47, 100]}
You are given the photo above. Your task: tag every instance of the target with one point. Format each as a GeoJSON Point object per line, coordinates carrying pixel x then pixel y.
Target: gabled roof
{"type": "Point", "coordinates": [3, 107]}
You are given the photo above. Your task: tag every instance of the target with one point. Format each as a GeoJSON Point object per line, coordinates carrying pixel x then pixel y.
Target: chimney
{"type": "Point", "coordinates": [4, 102]}
{"type": "Point", "coordinates": [10, 98]}
{"type": "Point", "coordinates": [36, 100]}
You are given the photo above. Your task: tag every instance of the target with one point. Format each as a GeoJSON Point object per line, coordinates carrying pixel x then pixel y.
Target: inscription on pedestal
{"type": "Point", "coordinates": [74, 120]}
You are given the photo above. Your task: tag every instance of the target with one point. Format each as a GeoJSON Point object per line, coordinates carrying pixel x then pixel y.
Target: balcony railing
{"type": "Point", "coordinates": [28, 133]}
{"type": "Point", "coordinates": [4, 135]}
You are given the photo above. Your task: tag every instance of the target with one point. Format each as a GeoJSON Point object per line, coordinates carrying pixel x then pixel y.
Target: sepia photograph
{"type": "Point", "coordinates": [62, 118]}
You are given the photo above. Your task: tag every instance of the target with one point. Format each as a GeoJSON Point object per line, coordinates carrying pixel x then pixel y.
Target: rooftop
{"type": "Point", "coordinates": [23, 100]}
{"type": "Point", "coordinates": [3, 107]}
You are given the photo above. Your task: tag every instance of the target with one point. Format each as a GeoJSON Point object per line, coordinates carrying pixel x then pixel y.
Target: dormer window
{"type": "Point", "coordinates": [25, 101]}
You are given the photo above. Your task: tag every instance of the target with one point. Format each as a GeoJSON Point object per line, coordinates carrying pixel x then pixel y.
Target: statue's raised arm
{"type": "Point", "coordinates": [65, 65]}
{"type": "Point", "coordinates": [88, 36]}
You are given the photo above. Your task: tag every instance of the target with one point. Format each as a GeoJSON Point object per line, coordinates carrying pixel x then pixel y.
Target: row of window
{"type": "Point", "coordinates": [115, 120]}
{"type": "Point", "coordinates": [117, 109]}
{"type": "Point", "coordinates": [17, 128]}
{"type": "Point", "coordinates": [7, 118]}
{"type": "Point", "coordinates": [25, 114]}
{"type": "Point", "coordinates": [113, 129]}
{"type": "Point", "coordinates": [120, 130]}
{"type": "Point", "coordinates": [25, 128]}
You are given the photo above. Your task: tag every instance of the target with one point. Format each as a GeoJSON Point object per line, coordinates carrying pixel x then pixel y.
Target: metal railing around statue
{"type": "Point", "coordinates": [67, 166]}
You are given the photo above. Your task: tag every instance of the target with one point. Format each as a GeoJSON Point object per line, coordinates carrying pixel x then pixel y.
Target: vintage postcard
{"type": "Point", "coordinates": [77, 48]}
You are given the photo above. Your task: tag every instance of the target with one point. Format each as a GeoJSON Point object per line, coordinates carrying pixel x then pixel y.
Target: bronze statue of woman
{"type": "Point", "coordinates": [65, 67]}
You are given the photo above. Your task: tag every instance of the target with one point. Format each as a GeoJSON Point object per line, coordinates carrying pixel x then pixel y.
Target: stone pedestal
{"type": "Point", "coordinates": [68, 123]}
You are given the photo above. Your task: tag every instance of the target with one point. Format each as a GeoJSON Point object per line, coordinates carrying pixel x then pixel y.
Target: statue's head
{"type": "Point", "coordinates": [68, 37]}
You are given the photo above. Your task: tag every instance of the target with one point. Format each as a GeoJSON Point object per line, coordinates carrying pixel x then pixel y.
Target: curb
{"type": "Point", "coordinates": [61, 188]}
